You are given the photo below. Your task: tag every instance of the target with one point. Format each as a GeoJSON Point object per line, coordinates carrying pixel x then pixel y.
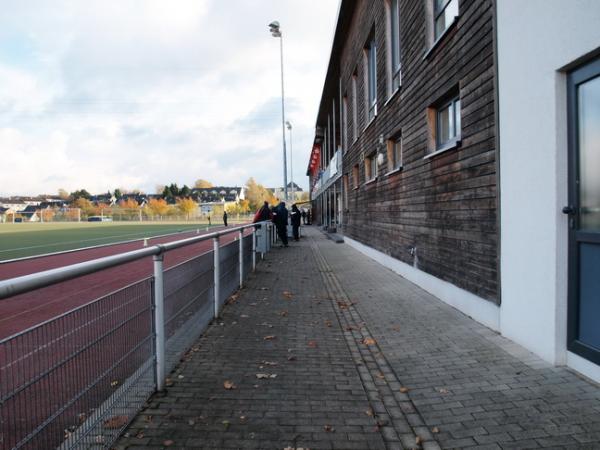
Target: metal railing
{"type": "Point", "coordinates": [77, 380]}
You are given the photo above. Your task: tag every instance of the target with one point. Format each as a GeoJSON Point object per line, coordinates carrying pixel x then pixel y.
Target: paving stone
{"type": "Point", "coordinates": [473, 387]}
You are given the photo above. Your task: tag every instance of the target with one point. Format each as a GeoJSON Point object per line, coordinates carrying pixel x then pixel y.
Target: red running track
{"type": "Point", "coordinates": [27, 310]}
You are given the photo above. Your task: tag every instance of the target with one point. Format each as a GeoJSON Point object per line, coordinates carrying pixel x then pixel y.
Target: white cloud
{"type": "Point", "coordinates": [136, 93]}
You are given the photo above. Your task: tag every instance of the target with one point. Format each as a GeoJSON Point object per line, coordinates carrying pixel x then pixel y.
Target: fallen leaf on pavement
{"type": "Point", "coordinates": [269, 363]}
{"type": "Point", "coordinates": [283, 313]}
{"type": "Point", "coordinates": [116, 422]}
{"type": "Point", "coordinates": [114, 383]}
{"type": "Point", "coordinates": [443, 391]}
{"type": "Point", "coordinates": [369, 341]}
{"type": "Point", "coordinates": [269, 338]}
{"type": "Point", "coordinates": [435, 430]}
{"type": "Point", "coordinates": [140, 435]}
{"type": "Point", "coordinates": [404, 390]}
{"type": "Point", "coordinates": [328, 323]}
{"type": "Point", "coordinates": [312, 344]}
{"type": "Point", "coordinates": [380, 376]}
{"type": "Point", "coordinates": [168, 382]}
{"type": "Point", "coordinates": [291, 358]}
{"type": "Point", "coordinates": [369, 412]}
{"type": "Point", "coordinates": [229, 385]}
{"type": "Point", "coordinates": [329, 428]}
{"type": "Point", "coordinates": [226, 424]}
{"type": "Point", "coordinates": [244, 316]}
{"type": "Point", "coordinates": [418, 440]}
{"type": "Point", "coordinates": [349, 328]}
{"type": "Point", "coordinates": [288, 295]}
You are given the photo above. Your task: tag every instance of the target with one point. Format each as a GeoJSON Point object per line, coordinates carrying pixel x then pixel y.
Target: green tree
{"type": "Point", "coordinates": [185, 191]}
{"type": "Point", "coordinates": [81, 193]}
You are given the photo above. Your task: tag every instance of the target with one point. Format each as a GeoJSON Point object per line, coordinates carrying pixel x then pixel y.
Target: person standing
{"type": "Point", "coordinates": [225, 218]}
{"type": "Point", "coordinates": [264, 213]}
{"type": "Point", "coordinates": [280, 218]}
{"type": "Point", "coordinates": [295, 219]}
{"type": "Point", "coordinates": [303, 216]}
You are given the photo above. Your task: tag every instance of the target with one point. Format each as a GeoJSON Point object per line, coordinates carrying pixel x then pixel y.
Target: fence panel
{"type": "Point", "coordinates": [229, 256]}
{"type": "Point", "coordinates": [55, 378]}
{"type": "Point", "coordinates": [188, 305]}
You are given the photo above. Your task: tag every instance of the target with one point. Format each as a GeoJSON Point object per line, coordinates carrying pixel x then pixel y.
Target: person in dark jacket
{"type": "Point", "coordinates": [303, 216]}
{"type": "Point", "coordinates": [280, 218]}
{"type": "Point", "coordinates": [225, 218]}
{"type": "Point", "coordinates": [295, 219]}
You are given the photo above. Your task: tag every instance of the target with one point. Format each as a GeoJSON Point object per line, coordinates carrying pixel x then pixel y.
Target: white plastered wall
{"type": "Point", "coordinates": [536, 38]}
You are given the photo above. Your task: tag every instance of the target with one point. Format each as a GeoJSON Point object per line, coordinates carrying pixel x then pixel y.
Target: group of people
{"type": "Point", "coordinates": [279, 216]}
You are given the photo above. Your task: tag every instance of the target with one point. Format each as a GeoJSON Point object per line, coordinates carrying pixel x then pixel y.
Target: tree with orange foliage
{"type": "Point", "coordinates": [157, 207]}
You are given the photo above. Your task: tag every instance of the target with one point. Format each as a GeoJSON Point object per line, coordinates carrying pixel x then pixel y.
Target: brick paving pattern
{"type": "Point", "coordinates": [356, 357]}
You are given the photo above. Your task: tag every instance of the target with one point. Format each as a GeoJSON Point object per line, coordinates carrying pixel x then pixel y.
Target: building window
{"type": "Point", "coordinates": [346, 189]}
{"type": "Point", "coordinates": [345, 122]}
{"type": "Point", "coordinates": [444, 13]}
{"type": "Point", "coordinates": [448, 123]}
{"type": "Point", "coordinates": [355, 174]}
{"type": "Point", "coordinates": [371, 79]}
{"type": "Point", "coordinates": [371, 167]}
{"type": "Point", "coordinates": [444, 125]}
{"type": "Point", "coordinates": [354, 108]}
{"type": "Point", "coordinates": [394, 45]}
{"type": "Point", "coordinates": [394, 153]}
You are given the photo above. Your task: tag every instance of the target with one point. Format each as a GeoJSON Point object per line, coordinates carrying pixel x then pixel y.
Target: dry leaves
{"type": "Point", "coordinates": [168, 442]}
{"type": "Point", "coordinates": [283, 313]}
{"type": "Point", "coordinates": [269, 338]}
{"type": "Point", "coordinates": [140, 435]}
{"type": "Point", "coordinates": [435, 430]}
{"type": "Point", "coordinates": [168, 382]}
{"type": "Point", "coordinates": [268, 363]}
{"type": "Point", "coordinates": [380, 376]}
{"type": "Point", "coordinates": [328, 323]}
{"type": "Point", "coordinates": [404, 390]}
{"type": "Point", "coordinates": [329, 428]}
{"type": "Point", "coordinates": [116, 422]}
{"type": "Point", "coordinates": [369, 341]}
{"type": "Point", "coordinates": [229, 385]}
{"type": "Point", "coordinates": [313, 344]}
{"type": "Point", "coordinates": [288, 295]}
{"type": "Point", "coordinates": [114, 383]}
{"type": "Point", "coordinates": [369, 412]}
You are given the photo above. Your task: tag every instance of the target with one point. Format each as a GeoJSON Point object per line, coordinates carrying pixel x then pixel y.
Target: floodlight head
{"type": "Point", "coordinates": [274, 29]}
{"type": "Point", "coordinates": [288, 124]}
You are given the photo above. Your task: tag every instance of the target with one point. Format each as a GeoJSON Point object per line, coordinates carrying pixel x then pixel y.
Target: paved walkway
{"type": "Point", "coordinates": [326, 349]}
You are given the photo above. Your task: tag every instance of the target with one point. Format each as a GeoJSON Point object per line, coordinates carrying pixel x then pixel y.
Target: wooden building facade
{"type": "Point", "coordinates": [408, 119]}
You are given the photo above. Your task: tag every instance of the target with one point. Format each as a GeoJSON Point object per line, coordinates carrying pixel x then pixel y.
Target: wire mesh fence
{"type": "Point", "coordinates": [76, 381]}
{"type": "Point", "coordinates": [55, 377]}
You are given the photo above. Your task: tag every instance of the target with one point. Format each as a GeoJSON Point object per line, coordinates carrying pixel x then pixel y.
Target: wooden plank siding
{"type": "Point", "coordinates": [445, 206]}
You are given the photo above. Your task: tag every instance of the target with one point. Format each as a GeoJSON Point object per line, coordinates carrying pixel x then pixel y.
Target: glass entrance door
{"type": "Point", "coordinates": [584, 211]}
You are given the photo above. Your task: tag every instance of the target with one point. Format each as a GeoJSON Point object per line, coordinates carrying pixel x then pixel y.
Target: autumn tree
{"type": "Point", "coordinates": [202, 184]}
{"type": "Point", "coordinates": [157, 207]}
{"type": "Point", "coordinates": [87, 207]}
{"type": "Point", "coordinates": [187, 206]}
{"type": "Point", "coordinates": [47, 214]}
{"type": "Point", "coordinates": [63, 194]}
{"type": "Point", "coordinates": [257, 194]}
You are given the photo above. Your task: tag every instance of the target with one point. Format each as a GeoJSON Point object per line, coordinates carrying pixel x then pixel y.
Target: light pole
{"type": "Point", "coordinates": [289, 127]}
{"type": "Point", "coordinates": [276, 32]}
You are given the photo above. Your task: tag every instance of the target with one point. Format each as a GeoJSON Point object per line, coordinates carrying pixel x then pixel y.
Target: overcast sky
{"type": "Point", "coordinates": [135, 93]}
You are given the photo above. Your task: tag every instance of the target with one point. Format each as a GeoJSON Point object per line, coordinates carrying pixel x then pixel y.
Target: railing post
{"type": "Point", "coordinates": [159, 321]}
{"type": "Point", "coordinates": [241, 256]}
{"type": "Point", "coordinates": [217, 273]}
{"type": "Point", "coordinates": [253, 249]}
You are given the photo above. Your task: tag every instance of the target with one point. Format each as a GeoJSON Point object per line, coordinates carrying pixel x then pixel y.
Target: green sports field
{"type": "Point", "coordinates": [27, 239]}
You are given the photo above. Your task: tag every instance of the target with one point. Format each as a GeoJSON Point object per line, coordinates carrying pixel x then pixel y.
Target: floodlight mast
{"type": "Point", "coordinates": [275, 30]}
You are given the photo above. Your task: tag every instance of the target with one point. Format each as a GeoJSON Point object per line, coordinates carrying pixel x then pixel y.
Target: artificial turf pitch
{"type": "Point", "coordinates": [28, 239]}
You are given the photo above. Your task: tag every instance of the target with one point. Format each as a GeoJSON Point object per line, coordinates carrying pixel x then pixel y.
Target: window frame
{"type": "Point", "coordinates": [355, 176]}
{"type": "Point", "coordinates": [370, 79]}
{"type": "Point", "coordinates": [395, 163]}
{"type": "Point", "coordinates": [454, 125]}
{"type": "Point", "coordinates": [354, 107]}
{"type": "Point", "coordinates": [437, 14]}
{"type": "Point", "coordinates": [394, 46]}
{"type": "Point", "coordinates": [371, 169]}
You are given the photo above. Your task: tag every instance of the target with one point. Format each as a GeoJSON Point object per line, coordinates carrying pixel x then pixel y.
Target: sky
{"type": "Point", "coordinates": [138, 93]}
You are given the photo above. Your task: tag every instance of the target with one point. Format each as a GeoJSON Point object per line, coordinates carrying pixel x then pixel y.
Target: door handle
{"type": "Point", "coordinates": [568, 210]}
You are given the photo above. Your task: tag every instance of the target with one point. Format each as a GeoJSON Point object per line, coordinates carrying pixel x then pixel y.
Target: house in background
{"type": "Point", "coordinates": [449, 142]}
{"type": "Point", "coordinates": [215, 200]}
{"type": "Point", "coordinates": [279, 192]}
